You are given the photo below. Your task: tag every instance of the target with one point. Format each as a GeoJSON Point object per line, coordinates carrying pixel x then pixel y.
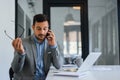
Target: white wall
{"type": "Point", "coordinates": [7, 15]}
{"type": "Point", "coordinates": [7, 19]}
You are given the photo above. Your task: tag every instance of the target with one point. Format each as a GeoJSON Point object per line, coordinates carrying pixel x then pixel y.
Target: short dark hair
{"type": "Point", "coordinates": [39, 18]}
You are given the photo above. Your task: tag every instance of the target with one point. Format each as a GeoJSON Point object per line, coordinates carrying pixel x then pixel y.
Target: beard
{"type": "Point", "coordinates": [40, 37]}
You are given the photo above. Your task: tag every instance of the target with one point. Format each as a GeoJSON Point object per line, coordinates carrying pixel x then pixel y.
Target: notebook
{"type": "Point", "coordinates": [85, 66]}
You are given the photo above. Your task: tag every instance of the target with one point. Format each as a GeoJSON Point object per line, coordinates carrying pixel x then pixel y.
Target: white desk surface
{"type": "Point", "coordinates": [95, 73]}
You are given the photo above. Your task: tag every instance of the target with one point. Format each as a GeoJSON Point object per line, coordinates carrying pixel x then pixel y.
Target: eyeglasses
{"type": "Point", "coordinates": [7, 35]}
{"type": "Point", "coordinates": [18, 36]}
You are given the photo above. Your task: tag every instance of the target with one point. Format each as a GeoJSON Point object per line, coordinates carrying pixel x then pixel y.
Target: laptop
{"type": "Point", "coordinates": [85, 66]}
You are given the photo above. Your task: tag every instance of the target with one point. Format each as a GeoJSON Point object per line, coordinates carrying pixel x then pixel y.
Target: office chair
{"type": "Point", "coordinates": [11, 73]}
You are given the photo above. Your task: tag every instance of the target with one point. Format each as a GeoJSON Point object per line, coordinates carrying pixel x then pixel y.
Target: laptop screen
{"type": "Point", "coordinates": [89, 61]}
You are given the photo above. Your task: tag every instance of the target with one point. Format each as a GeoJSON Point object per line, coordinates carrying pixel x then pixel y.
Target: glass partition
{"type": "Point", "coordinates": [103, 30]}
{"type": "Point", "coordinates": [65, 22]}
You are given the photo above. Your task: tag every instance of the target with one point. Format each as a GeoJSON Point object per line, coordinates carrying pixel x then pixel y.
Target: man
{"type": "Point", "coordinates": [33, 55]}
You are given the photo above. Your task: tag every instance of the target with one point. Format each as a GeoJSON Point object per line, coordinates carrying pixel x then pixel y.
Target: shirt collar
{"type": "Point", "coordinates": [35, 39]}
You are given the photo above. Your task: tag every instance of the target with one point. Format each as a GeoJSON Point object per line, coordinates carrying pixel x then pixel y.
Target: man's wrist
{"type": "Point", "coordinates": [55, 46]}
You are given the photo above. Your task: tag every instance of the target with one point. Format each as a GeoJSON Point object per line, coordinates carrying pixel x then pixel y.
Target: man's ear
{"type": "Point", "coordinates": [33, 27]}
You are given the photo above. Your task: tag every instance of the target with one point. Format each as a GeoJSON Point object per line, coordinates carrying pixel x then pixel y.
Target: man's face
{"type": "Point", "coordinates": [40, 30]}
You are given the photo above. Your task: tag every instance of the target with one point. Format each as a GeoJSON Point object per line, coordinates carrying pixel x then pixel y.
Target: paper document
{"type": "Point", "coordinates": [71, 74]}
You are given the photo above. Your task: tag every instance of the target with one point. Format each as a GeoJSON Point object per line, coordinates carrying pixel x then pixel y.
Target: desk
{"type": "Point", "coordinates": [95, 73]}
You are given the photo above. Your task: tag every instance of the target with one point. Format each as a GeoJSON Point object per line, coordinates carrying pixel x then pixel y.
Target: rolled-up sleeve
{"type": "Point", "coordinates": [56, 56]}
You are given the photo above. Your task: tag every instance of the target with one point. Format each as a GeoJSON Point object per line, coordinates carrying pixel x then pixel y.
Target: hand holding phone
{"type": "Point", "coordinates": [51, 38]}
{"type": "Point", "coordinates": [48, 34]}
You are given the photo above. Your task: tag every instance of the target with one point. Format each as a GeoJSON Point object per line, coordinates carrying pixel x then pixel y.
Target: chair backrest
{"type": "Point", "coordinates": [11, 73]}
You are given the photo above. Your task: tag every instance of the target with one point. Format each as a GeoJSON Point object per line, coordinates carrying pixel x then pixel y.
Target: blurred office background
{"type": "Point", "coordinates": [81, 27]}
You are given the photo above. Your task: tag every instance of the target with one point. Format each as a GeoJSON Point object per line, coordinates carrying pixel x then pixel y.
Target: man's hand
{"type": "Point", "coordinates": [51, 38]}
{"type": "Point", "coordinates": [17, 45]}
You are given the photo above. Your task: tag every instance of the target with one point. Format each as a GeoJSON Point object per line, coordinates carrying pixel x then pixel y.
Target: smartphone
{"type": "Point", "coordinates": [47, 34]}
